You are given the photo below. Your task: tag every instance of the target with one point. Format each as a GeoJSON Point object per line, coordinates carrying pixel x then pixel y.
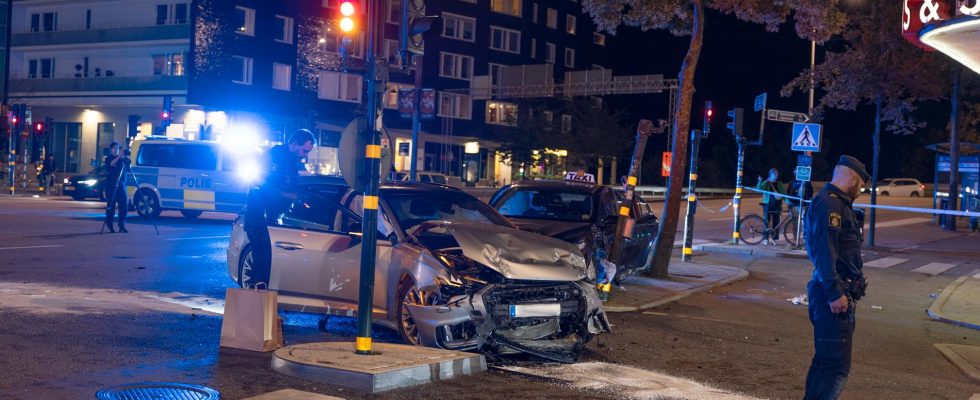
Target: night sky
{"type": "Point", "coordinates": [739, 61]}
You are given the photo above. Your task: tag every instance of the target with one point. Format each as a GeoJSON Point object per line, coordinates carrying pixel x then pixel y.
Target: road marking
{"type": "Point", "coordinates": [200, 238]}
{"type": "Point", "coordinates": [47, 246]}
{"type": "Point", "coordinates": [977, 276]}
{"type": "Point", "coordinates": [886, 262]}
{"type": "Point", "coordinates": [625, 381]}
{"type": "Point", "coordinates": [933, 268]}
{"type": "Point", "coordinates": [899, 222]}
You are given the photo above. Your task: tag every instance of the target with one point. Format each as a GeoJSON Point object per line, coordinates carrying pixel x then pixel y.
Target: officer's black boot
{"type": "Point", "coordinates": [122, 228]}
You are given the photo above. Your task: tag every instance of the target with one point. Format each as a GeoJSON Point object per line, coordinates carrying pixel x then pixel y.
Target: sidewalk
{"type": "Point", "coordinates": [779, 250]}
{"type": "Point", "coordinates": [958, 303]}
{"type": "Point", "coordinates": [686, 278]}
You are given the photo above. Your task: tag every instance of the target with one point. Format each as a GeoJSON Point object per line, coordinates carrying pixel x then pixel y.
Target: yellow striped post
{"type": "Point", "coordinates": [363, 344]}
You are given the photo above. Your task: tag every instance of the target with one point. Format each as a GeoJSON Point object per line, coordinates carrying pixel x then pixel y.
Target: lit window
{"type": "Point", "coordinates": [339, 86]}
{"type": "Point", "coordinates": [510, 7]}
{"type": "Point", "coordinates": [458, 27]}
{"type": "Point", "coordinates": [168, 64]}
{"type": "Point", "coordinates": [282, 76]}
{"type": "Point", "coordinates": [552, 18]}
{"type": "Point", "coordinates": [570, 58]}
{"type": "Point", "coordinates": [454, 105]}
{"type": "Point", "coordinates": [501, 113]}
{"type": "Point", "coordinates": [455, 66]}
{"type": "Point", "coordinates": [242, 70]}
{"type": "Point", "coordinates": [244, 21]}
{"type": "Point", "coordinates": [284, 29]}
{"type": "Point", "coordinates": [598, 39]}
{"type": "Point", "coordinates": [570, 24]}
{"type": "Point", "coordinates": [505, 40]}
{"type": "Point", "coordinates": [549, 52]}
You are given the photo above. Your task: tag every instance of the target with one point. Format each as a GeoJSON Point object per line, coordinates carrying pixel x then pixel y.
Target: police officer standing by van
{"type": "Point", "coordinates": [833, 243]}
{"type": "Point", "coordinates": [270, 197]}
{"type": "Point", "coordinates": [116, 164]}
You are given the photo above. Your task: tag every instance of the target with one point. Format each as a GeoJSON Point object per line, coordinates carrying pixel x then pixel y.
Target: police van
{"type": "Point", "coordinates": [190, 176]}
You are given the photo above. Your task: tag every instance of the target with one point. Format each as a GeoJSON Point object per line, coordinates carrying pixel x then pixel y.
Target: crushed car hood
{"type": "Point", "coordinates": [516, 254]}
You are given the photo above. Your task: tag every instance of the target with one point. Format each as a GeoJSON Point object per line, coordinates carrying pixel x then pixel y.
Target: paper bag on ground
{"type": "Point", "coordinates": [251, 321]}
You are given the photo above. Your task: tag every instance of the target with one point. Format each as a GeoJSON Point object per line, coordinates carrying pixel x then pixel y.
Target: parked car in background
{"type": "Point", "coordinates": [429, 177]}
{"type": "Point", "coordinates": [905, 187]}
{"type": "Point", "coordinates": [451, 271]}
{"type": "Point", "coordinates": [90, 185]}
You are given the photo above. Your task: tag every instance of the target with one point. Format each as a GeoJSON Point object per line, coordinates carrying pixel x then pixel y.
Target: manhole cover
{"type": "Point", "coordinates": [158, 391]}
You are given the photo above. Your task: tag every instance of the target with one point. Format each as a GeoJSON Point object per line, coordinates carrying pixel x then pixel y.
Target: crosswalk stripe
{"type": "Point", "coordinates": [933, 268]}
{"type": "Point", "coordinates": [886, 262]}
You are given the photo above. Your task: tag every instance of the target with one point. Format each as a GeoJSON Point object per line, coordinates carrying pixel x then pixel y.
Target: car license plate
{"type": "Point", "coordinates": [68, 189]}
{"type": "Point", "coordinates": [535, 310]}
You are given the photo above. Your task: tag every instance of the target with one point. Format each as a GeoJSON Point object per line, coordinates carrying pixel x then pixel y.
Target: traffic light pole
{"type": "Point", "coordinates": [643, 132]}
{"type": "Point", "coordinates": [416, 122]}
{"type": "Point", "coordinates": [737, 200]}
{"type": "Point", "coordinates": [692, 200]}
{"type": "Point", "coordinates": [372, 152]}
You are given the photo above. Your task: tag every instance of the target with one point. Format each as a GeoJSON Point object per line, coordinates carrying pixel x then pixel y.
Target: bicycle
{"type": "Point", "coordinates": [752, 228]}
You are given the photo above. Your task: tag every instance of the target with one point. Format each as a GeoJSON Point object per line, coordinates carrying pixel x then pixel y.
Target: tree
{"type": "Point", "coordinates": [523, 143]}
{"type": "Point", "coordinates": [596, 132]}
{"type": "Point", "coordinates": [878, 67]}
{"type": "Point", "coordinates": [814, 20]}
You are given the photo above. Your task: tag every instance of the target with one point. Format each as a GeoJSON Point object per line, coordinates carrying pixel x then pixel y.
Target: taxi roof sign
{"type": "Point", "coordinates": [580, 176]}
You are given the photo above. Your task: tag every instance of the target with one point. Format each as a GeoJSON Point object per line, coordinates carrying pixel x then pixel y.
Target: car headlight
{"type": "Point", "coordinates": [67, 181]}
{"type": "Point", "coordinates": [90, 182]}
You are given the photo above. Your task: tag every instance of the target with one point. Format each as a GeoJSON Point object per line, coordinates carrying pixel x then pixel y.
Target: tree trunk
{"type": "Point", "coordinates": [954, 151]}
{"type": "Point", "coordinates": [874, 170]}
{"type": "Point", "coordinates": [664, 244]}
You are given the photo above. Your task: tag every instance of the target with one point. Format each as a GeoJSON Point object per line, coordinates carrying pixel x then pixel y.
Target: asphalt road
{"type": "Point", "coordinates": [82, 311]}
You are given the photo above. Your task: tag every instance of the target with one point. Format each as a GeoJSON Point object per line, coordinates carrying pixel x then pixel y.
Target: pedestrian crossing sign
{"type": "Point", "coordinates": [806, 137]}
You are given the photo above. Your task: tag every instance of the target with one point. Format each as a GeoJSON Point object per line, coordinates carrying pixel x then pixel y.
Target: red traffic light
{"type": "Point", "coordinates": [710, 113]}
{"type": "Point", "coordinates": [13, 120]}
{"type": "Point", "coordinates": [347, 13]}
{"type": "Point", "coordinates": [39, 127]}
{"type": "Point", "coordinates": [165, 115]}
{"type": "Point", "coordinates": [347, 8]}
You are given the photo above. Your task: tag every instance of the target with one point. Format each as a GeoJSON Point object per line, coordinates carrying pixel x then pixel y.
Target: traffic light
{"type": "Point", "coordinates": [167, 115]}
{"type": "Point", "coordinates": [15, 118]}
{"type": "Point", "coordinates": [735, 123]}
{"type": "Point", "coordinates": [346, 22]}
{"type": "Point", "coordinates": [133, 130]}
{"type": "Point", "coordinates": [39, 128]}
{"type": "Point", "coordinates": [708, 113]}
{"type": "Point", "coordinates": [414, 24]}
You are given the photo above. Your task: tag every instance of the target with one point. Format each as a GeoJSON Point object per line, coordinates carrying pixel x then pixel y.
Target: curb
{"type": "Point", "coordinates": [742, 274]}
{"type": "Point", "coordinates": [935, 311]}
{"type": "Point", "coordinates": [751, 250]}
{"type": "Point", "coordinates": [969, 369]}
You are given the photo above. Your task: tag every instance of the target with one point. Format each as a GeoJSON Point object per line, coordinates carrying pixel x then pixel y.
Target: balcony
{"type": "Point", "coordinates": [101, 84]}
{"type": "Point", "coordinates": [102, 35]}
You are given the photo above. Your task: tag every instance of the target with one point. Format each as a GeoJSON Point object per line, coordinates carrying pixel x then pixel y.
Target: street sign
{"type": "Point", "coordinates": [804, 160]}
{"type": "Point", "coordinates": [786, 116]}
{"type": "Point", "coordinates": [806, 137]}
{"type": "Point", "coordinates": [665, 164]}
{"type": "Point", "coordinates": [760, 102]}
{"type": "Point", "coordinates": [803, 173]}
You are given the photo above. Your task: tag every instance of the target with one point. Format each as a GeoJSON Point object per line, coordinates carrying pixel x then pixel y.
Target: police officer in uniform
{"type": "Point", "coordinates": [270, 197]}
{"type": "Point", "coordinates": [833, 243]}
{"type": "Point", "coordinates": [116, 165]}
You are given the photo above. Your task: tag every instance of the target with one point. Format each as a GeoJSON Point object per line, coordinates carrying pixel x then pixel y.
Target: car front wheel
{"type": "Point", "coordinates": [147, 204]}
{"type": "Point", "coordinates": [410, 294]}
{"type": "Point", "coordinates": [191, 213]}
{"type": "Point", "coordinates": [245, 268]}
{"type": "Point", "coordinates": [915, 194]}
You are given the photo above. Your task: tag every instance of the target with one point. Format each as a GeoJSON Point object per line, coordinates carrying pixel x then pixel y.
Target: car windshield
{"type": "Point", "coordinates": [885, 182]}
{"type": "Point", "coordinates": [552, 204]}
{"type": "Point", "coordinates": [413, 207]}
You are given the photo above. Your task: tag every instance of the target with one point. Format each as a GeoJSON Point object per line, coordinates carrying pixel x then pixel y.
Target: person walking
{"type": "Point", "coordinates": [276, 187]}
{"type": "Point", "coordinates": [772, 204]}
{"type": "Point", "coordinates": [116, 166]}
{"type": "Point", "coordinates": [48, 168]}
{"type": "Point", "coordinates": [833, 245]}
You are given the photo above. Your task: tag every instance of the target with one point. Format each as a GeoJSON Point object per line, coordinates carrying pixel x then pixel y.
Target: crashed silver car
{"type": "Point", "coordinates": [451, 271]}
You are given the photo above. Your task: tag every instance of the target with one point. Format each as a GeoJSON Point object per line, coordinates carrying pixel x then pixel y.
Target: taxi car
{"type": "Point", "coordinates": [451, 272]}
{"type": "Point", "coordinates": [569, 210]}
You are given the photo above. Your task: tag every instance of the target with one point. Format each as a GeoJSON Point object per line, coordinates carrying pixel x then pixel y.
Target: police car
{"type": "Point", "coordinates": [568, 210]}
{"type": "Point", "coordinates": [190, 176]}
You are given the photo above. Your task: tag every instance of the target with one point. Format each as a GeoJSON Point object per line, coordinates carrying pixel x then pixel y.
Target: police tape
{"type": "Point", "coordinates": [722, 209]}
{"type": "Point", "coordinates": [934, 211]}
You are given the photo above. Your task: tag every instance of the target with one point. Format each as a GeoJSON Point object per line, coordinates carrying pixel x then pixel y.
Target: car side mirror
{"type": "Point", "coordinates": [393, 238]}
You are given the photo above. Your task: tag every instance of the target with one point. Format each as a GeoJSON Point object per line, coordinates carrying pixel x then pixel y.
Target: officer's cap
{"type": "Point", "coordinates": [856, 166]}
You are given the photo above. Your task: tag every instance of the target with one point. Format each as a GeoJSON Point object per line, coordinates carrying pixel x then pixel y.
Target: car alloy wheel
{"type": "Point", "coordinates": [409, 293]}
{"type": "Point", "coordinates": [147, 204]}
{"type": "Point", "coordinates": [245, 269]}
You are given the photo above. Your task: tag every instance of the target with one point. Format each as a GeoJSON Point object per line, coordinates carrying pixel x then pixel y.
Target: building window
{"type": "Point", "coordinates": [40, 68]}
{"type": "Point", "coordinates": [548, 116]}
{"type": "Point", "coordinates": [458, 27]}
{"type": "Point", "coordinates": [454, 105]}
{"type": "Point", "coordinates": [501, 113]}
{"type": "Point", "coordinates": [495, 73]}
{"type": "Point", "coordinates": [44, 22]}
{"type": "Point", "coordinates": [534, 13]}
{"type": "Point", "coordinates": [598, 39]}
{"type": "Point", "coordinates": [391, 53]}
{"type": "Point", "coordinates": [570, 24]}
{"type": "Point", "coordinates": [534, 48]}
{"type": "Point", "coordinates": [549, 52]}
{"type": "Point", "coordinates": [509, 7]}
{"type": "Point", "coordinates": [391, 94]}
{"type": "Point", "coordinates": [241, 69]}
{"type": "Point", "coordinates": [570, 58]}
{"type": "Point", "coordinates": [395, 12]}
{"type": "Point", "coordinates": [168, 64]}
{"type": "Point", "coordinates": [244, 21]}
{"type": "Point", "coordinates": [505, 40]}
{"type": "Point", "coordinates": [172, 14]}
{"type": "Point", "coordinates": [566, 123]}
{"type": "Point", "coordinates": [552, 18]}
{"type": "Point", "coordinates": [339, 86]}
{"type": "Point", "coordinates": [282, 76]}
{"type": "Point", "coordinates": [284, 29]}
{"type": "Point", "coordinates": [455, 66]}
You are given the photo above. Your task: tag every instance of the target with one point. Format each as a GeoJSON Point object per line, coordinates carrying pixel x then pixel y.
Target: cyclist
{"type": "Point", "coordinates": [772, 204]}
